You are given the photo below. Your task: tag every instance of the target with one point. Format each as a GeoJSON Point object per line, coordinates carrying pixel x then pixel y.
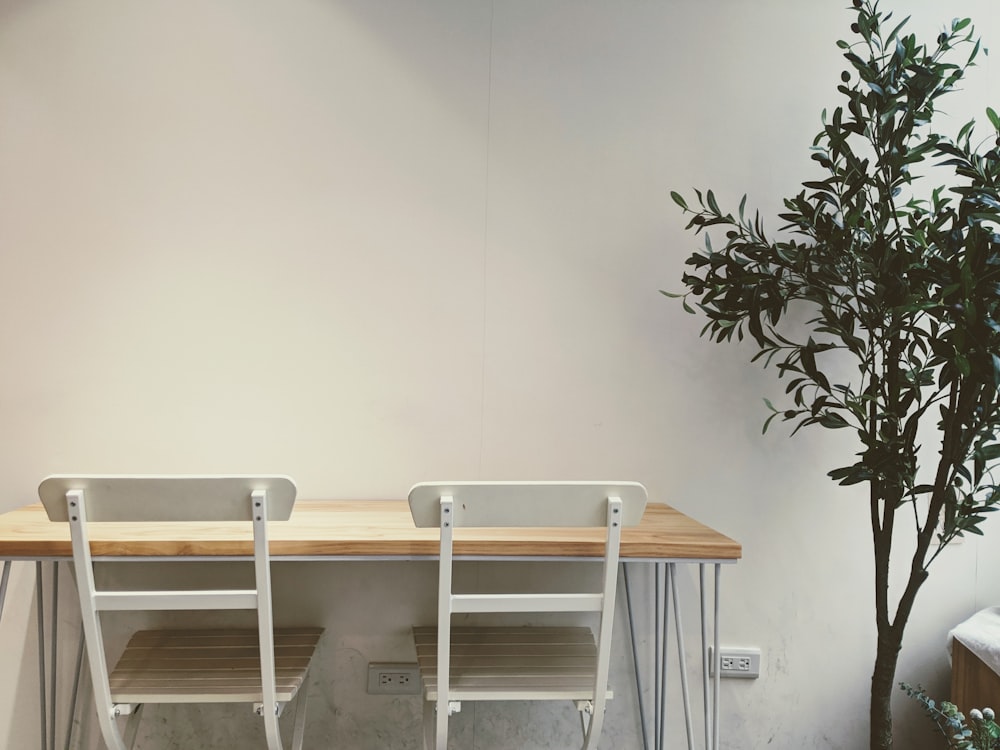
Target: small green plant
{"type": "Point", "coordinates": [982, 734]}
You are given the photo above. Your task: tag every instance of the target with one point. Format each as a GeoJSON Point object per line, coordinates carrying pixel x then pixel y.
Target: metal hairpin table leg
{"type": "Point", "coordinates": [711, 701]}
{"type": "Point", "coordinates": [681, 656]}
{"type": "Point", "coordinates": [665, 597]}
{"type": "Point", "coordinates": [76, 690]}
{"type": "Point", "coordinates": [657, 655]}
{"type": "Point", "coordinates": [47, 708]}
{"type": "Point", "coordinates": [53, 652]}
{"type": "Point", "coordinates": [39, 598]}
{"type": "Point", "coordinates": [640, 702]}
{"type": "Point", "coordinates": [3, 585]}
{"type": "Point", "coordinates": [664, 640]}
{"type": "Point", "coordinates": [717, 658]}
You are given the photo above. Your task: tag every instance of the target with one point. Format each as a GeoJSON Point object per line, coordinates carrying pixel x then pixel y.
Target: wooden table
{"type": "Point", "coordinates": [365, 529]}
{"type": "Point", "coordinates": [384, 530]}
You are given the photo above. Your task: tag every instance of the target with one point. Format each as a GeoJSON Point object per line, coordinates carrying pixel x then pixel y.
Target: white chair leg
{"type": "Point", "coordinates": [300, 714]}
{"type": "Point", "coordinates": [429, 724]}
{"type": "Point", "coordinates": [132, 726]}
{"type": "Point", "coordinates": [271, 728]}
{"type": "Point", "coordinates": [109, 730]}
{"type": "Point", "coordinates": [594, 726]}
{"type": "Point", "coordinates": [441, 726]}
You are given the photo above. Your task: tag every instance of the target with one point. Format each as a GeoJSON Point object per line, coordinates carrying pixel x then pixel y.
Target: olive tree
{"type": "Point", "coordinates": [878, 302]}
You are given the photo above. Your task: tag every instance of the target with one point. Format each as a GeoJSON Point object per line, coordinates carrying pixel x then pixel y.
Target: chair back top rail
{"type": "Point", "coordinates": [164, 498]}
{"type": "Point", "coordinates": [517, 504]}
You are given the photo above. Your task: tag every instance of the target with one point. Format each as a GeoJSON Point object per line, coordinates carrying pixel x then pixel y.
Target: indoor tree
{"type": "Point", "coordinates": [878, 301]}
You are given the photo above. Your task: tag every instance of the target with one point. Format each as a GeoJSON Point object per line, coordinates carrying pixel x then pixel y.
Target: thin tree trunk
{"type": "Point", "coordinates": [890, 641]}
{"type": "Point", "coordinates": [883, 680]}
{"type": "Point", "coordinates": [884, 502]}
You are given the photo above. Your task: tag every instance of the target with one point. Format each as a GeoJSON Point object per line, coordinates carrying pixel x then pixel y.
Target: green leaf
{"type": "Point", "coordinates": [994, 118]}
{"type": "Point", "coordinates": [966, 130]}
{"type": "Point", "coordinates": [679, 199]}
{"type": "Point", "coordinates": [895, 31]}
{"type": "Point", "coordinates": [710, 197]}
{"type": "Point", "coordinates": [850, 474]}
{"type": "Point", "coordinates": [832, 420]}
{"type": "Point", "coordinates": [991, 452]}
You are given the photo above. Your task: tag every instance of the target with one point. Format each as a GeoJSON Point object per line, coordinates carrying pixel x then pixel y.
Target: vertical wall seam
{"type": "Point", "coordinates": [486, 241]}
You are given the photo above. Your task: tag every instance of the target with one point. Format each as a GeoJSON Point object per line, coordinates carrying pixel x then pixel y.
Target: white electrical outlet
{"type": "Point", "coordinates": [393, 678]}
{"type": "Point", "coordinates": [741, 663]}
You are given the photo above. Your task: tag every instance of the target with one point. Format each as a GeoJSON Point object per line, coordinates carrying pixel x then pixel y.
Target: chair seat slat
{"type": "Point", "coordinates": [175, 653]}
{"type": "Point", "coordinates": [188, 664]}
{"type": "Point", "coordinates": [181, 666]}
{"type": "Point", "coordinates": [526, 603]}
{"type": "Point", "coordinates": [533, 652]}
{"type": "Point", "coordinates": [512, 663]}
{"type": "Point", "coordinates": [507, 634]}
{"type": "Point", "coordinates": [309, 636]}
{"type": "Point", "coordinates": [516, 661]}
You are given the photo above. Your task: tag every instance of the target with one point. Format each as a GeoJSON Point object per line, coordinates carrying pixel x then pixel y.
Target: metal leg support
{"type": "Point", "coordinates": [53, 651]}
{"type": "Point", "coordinates": [635, 657]}
{"type": "Point", "coordinates": [3, 585]}
{"type": "Point", "coordinates": [664, 640]}
{"type": "Point", "coordinates": [76, 690]}
{"type": "Point", "coordinates": [657, 655]}
{"type": "Point", "coordinates": [47, 703]}
{"type": "Point", "coordinates": [717, 657]}
{"type": "Point", "coordinates": [665, 597]}
{"type": "Point", "coordinates": [711, 701]}
{"type": "Point", "coordinates": [132, 726]}
{"type": "Point", "coordinates": [39, 597]}
{"type": "Point", "coordinates": [681, 656]}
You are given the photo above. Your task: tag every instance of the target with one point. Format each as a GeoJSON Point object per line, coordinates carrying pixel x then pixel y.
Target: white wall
{"type": "Point", "coordinates": [370, 243]}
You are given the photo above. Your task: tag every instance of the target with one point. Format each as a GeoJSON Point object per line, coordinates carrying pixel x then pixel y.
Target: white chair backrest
{"type": "Point", "coordinates": [518, 504]}
{"type": "Point", "coordinates": [168, 498]}
{"type": "Point", "coordinates": [451, 505]}
{"type": "Point", "coordinates": [80, 500]}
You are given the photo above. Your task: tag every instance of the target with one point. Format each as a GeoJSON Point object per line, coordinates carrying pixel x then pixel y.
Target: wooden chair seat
{"type": "Point", "coordinates": [209, 666]}
{"type": "Point", "coordinates": [512, 663]}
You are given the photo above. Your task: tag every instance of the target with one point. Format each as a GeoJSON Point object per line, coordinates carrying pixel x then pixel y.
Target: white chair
{"type": "Point", "coordinates": [518, 663]}
{"type": "Point", "coordinates": [259, 666]}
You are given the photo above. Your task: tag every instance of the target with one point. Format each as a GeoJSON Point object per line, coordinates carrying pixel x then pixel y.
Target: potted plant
{"type": "Point", "coordinates": [982, 733]}
{"type": "Point", "coordinates": [879, 302]}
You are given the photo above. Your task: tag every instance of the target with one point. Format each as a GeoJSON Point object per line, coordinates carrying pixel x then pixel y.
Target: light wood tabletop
{"type": "Point", "coordinates": [363, 528]}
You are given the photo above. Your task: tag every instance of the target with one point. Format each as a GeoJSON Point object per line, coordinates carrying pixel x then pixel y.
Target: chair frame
{"type": "Point", "coordinates": [81, 500]}
{"type": "Point", "coordinates": [543, 504]}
